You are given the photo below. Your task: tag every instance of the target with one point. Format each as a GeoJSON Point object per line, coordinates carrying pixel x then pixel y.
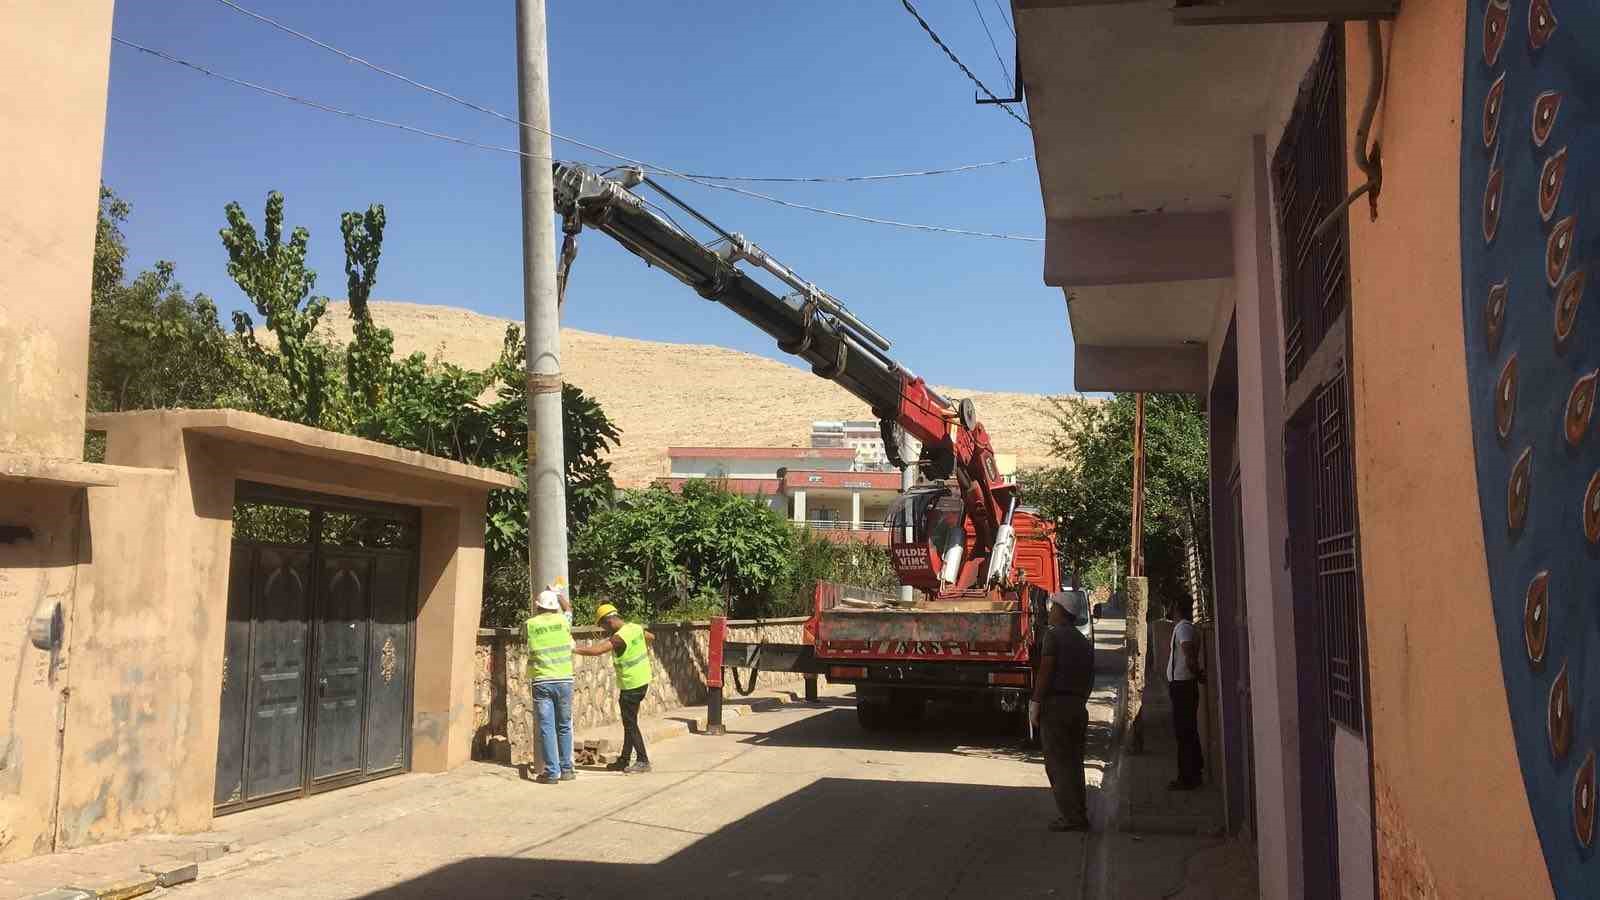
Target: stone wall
{"type": "Point", "coordinates": [503, 697]}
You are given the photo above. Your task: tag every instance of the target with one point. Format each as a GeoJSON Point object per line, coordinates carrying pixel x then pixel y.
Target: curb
{"type": "Point", "coordinates": [675, 727]}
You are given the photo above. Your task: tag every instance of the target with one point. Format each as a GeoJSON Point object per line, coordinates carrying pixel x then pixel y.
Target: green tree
{"type": "Point", "coordinates": [274, 276]}
{"type": "Point", "coordinates": [1088, 493]}
{"type": "Point", "coordinates": [152, 345]}
{"type": "Point", "coordinates": [368, 356]}
{"type": "Point", "coordinates": [682, 555]}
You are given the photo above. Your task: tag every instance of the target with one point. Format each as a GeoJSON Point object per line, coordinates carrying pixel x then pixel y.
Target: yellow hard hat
{"type": "Point", "coordinates": [605, 611]}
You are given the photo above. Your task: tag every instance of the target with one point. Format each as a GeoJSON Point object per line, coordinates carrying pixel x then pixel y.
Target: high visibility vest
{"type": "Point", "coordinates": [549, 647]}
{"type": "Point", "coordinates": [633, 663]}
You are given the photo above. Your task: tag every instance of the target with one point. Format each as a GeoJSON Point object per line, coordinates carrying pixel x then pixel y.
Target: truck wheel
{"type": "Point", "coordinates": [907, 707]}
{"type": "Point", "coordinates": [871, 716]}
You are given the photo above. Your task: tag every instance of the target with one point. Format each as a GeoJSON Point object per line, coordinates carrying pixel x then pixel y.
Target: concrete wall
{"type": "Point", "coordinates": [54, 59]}
{"type": "Point", "coordinates": [677, 657]}
{"type": "Point", "coordinates": [141, 568]}
{"type": "Point", "coordinates": [1273, 665]}
{"type": "Point", "coordinates": [1452, 817]}
{"type": "Point", "coordinates": [35, 574]}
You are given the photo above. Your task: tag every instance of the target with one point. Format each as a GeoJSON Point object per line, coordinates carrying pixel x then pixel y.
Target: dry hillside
{"type": "Point", "coordinates": [662, 394]}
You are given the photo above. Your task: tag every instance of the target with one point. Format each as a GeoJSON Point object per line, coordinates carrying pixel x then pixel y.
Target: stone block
{"type": "Point", "coordinates": [121, 889]}
{"type": "Point", "coordinates": [171, 872]}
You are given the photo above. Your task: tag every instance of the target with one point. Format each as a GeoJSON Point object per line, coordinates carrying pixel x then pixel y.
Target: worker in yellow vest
{"type": "Point", "coordinates": [550, 669]}
{"type": "Point", "coordinates": [628, 645]}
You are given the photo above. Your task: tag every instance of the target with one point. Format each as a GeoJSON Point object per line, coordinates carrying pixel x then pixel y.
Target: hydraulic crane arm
{"type": "Point", "coordinates": [811, 324]}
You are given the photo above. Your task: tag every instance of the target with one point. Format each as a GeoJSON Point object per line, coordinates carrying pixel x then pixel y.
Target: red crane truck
{"type": "Point", "coordinates": [982, 567]}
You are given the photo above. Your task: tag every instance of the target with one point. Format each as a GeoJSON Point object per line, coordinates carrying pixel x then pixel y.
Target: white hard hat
{"type": "Point", "coordinates": [548, 599]}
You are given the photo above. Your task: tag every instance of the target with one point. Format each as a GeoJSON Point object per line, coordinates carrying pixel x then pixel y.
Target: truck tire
{"type": "Point", "coordinates": [871, 716]}
{"type": "Point", "coordinates": [906, 707]}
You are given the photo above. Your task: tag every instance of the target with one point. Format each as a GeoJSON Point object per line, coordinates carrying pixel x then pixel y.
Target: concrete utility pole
{"type": "Point", "coordinates": [547, 486]}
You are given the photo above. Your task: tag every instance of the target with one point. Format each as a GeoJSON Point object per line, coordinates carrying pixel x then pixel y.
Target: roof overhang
{"type": "Point", "coordinates": [1142, 129]}
{"type": "Point", "coordinates": [304, 442]}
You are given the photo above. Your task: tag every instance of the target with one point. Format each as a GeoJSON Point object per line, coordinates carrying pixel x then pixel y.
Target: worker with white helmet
{"type": "Point", "coordinates": [550, 669]}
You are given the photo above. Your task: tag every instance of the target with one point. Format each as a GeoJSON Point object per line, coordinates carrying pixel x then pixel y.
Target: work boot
{"type": "Point", "coordinates": [638, 768]}
{"type": "Point", "coordinates": [617, 766]}
{"type": "Point", "coordinates": [548, 779]}
{"type": "Point", "coordinates": [569, 775]}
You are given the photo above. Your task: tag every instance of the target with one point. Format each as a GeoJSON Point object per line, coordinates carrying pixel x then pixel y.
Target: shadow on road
{"type": "Point", "coordinates": [835, 838]}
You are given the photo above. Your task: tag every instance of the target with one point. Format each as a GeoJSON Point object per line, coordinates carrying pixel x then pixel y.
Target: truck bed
{"type": "Point", "coordinates": [928, 625]}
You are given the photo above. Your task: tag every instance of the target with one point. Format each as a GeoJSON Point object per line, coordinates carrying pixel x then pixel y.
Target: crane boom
{"type": "Point", "coordinates": [815, 326]}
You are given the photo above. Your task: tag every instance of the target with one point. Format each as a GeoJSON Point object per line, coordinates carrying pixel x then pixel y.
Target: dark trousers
{"type": "Point", "coordinates": [1063, 723]}
{"type": "Point", "coordinates": [632, 737]}
{"type": "Point", "coordinates": [1185, 697]}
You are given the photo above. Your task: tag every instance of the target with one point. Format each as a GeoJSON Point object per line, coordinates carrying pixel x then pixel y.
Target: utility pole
{"type": "Point", "coordinates": [547, 487]}
{"type": "Point", "coordinates": [1137, 598]}
{"type": "Point", "coordinates": [1136, 554]}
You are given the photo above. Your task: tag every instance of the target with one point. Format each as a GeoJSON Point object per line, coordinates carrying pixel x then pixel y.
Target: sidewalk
{"type": "Point", "coordinates": [1169, 844]}
{"type": "Point", "coordinates": [145, 866]}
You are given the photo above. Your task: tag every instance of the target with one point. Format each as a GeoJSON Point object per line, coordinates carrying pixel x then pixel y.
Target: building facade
{"type": "Point", "coordinates": [231, 610]}
{"type": "Point", "coordinates": [1403, 469]}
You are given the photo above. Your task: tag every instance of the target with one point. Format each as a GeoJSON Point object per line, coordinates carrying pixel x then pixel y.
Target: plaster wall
{"type": "Point", "coordinates": [54, 59]}
{"type": "Point", "coordinates": [141, 567]}
{"type": "Point", "coordinates": [1435, 677]}
{"type": "Point", "coordinates": [36, 573]}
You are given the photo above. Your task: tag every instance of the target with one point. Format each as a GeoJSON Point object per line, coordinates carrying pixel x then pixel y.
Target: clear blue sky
{"type": "Point", "coordinates": [844, 87]}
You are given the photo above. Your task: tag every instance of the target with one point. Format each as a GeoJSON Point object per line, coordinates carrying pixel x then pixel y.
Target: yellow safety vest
{"type": "Point", "coordinates": [633, 664]}
{"type": "Point", "coordinates": [549, 647]}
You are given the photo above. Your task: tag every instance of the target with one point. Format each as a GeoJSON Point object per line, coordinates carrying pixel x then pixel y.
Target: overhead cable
{"type": "Point", "coordinates": [517, 152]}
{"type": "Point", "coordinates": [654, 167]}
{"type": "Point", "coordinates": [841, 179]}
{"type": "Point", "coordinates": [992, 45]}
{"type": "Point", "coordinates": [314, 104]}
{"type": "Point", "coordinates": [953, 58]}
{"type": "Point", "coordinates": [1006, 21]}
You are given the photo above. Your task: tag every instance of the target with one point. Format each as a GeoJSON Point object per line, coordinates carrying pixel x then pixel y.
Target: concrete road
{"type": "Point", "coordinates": [794, 802]}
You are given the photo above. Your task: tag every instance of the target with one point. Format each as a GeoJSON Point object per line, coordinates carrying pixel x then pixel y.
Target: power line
{"type": "Point", "coordinates": [992, 45]}
{"type": "Point", "coordinates": [438, 92]}
{"type": "Point", "coordinates": [1004, 20]}
{"type": "Point", "coordinates": [841, 179]}
{"type": "Point", "coordinates": [872, 219]}
{"type": "Point", "coordinates": [953, 58]}
{"type": "Point", "coordinates": [314, 104]}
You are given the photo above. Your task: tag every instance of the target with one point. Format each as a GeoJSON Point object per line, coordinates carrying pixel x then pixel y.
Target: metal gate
{"type": "Point", "coordinates": [317, 669]}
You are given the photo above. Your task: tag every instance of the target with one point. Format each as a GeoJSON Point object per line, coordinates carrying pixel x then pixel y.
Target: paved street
{"type": "Point", "coordinates": [796, 801]}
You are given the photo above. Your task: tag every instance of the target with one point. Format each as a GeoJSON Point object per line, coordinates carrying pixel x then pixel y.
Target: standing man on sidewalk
{"type": "Point", "coordinates": [1183, 687]}
{"type": "Point", "coordinates": [630, 654]}
{"type": "Point", "coordinates": [550, 669]}
{"type": "Point", "coordinates": [1059, 711]}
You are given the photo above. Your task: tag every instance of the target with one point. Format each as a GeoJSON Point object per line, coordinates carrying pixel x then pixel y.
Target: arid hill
{"type": "Point", "coordinates": [662, 394]}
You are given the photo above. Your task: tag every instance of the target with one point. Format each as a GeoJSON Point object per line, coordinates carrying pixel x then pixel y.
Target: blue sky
{"type": "Point", "coordinates": [720, 87]}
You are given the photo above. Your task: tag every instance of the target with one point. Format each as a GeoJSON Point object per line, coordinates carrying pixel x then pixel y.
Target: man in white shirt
{"type": "Point", "coordinates": [1183, 688]}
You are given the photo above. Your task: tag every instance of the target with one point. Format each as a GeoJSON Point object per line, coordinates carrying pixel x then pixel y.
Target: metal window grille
{"type": "Point", "coordinates": [1338, 570]}
{"type": "Point", "coordinates": [1308, 173]}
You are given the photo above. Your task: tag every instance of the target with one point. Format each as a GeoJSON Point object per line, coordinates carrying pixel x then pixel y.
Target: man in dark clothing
{"type": "Point", "coordinates": [1059, 711]}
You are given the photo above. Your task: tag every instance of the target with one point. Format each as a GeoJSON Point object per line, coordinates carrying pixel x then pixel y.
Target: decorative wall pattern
{"type": "Point", "coordinates": [1530, 238]}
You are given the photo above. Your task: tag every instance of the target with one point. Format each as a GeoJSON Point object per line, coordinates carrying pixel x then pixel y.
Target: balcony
{"type": "Point", "coordinates": [843, 532]}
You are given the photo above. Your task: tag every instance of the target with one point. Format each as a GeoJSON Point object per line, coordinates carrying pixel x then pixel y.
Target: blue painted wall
{"type": "Point", "coordinates": [1526, 382]}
